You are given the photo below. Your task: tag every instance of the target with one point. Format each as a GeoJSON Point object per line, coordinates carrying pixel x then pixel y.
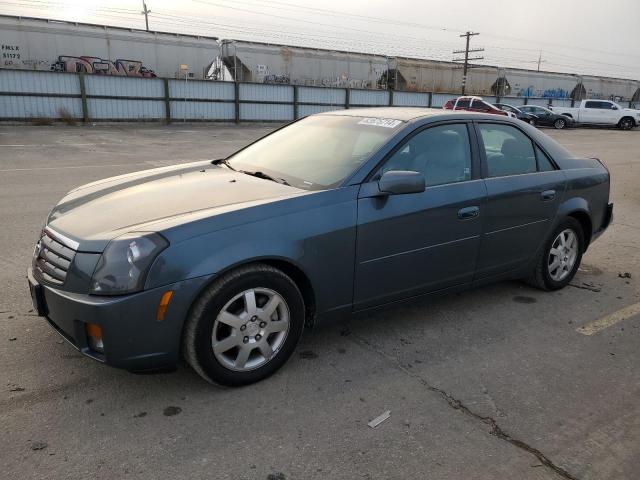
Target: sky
{"type": "Point", "coordinates": [589, 37]}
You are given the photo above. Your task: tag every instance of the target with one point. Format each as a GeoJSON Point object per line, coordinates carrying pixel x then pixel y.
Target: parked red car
{"type": "Point", "coordinates": [474, 104]}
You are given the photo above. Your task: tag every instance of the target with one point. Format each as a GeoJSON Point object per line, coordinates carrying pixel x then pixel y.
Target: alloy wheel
{"type": "Point", "coordinates": [563, 255]}
{"type": "Point", "coordinates": [250, 329]}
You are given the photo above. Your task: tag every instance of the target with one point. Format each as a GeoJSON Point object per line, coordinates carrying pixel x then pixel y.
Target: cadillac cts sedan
{"type": "Point", "coordinates": [224, 262]}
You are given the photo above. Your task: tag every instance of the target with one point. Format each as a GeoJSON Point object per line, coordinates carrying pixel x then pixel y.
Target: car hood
{"type": "Point", "coordinates": [97, 212]}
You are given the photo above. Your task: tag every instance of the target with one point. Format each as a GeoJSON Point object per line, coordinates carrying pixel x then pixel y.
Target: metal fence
{"type": "Point", "coordinates": [28, 95]}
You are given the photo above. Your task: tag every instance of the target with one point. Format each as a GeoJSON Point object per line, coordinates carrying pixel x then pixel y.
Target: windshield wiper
{"type": "Point", "coordinates": [266, 176]}
{"type": "Point", "coordinates": [223, 161]}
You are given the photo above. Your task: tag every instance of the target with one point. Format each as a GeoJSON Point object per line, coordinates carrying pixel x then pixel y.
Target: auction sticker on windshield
{"type": "Point", "coordinates": [380, 122]}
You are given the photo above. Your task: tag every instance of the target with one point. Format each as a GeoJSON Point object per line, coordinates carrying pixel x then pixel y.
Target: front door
{"type": "Point", "coordinates": [523, 193]}
{"type": "Point", "coordinates": [417, 243]}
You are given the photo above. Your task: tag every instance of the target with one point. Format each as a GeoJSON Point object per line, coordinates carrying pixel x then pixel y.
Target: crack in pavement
{"type": "Point", "coordinates": [456, 404]}
{"type": "Point", "coordinates": [586, 286]}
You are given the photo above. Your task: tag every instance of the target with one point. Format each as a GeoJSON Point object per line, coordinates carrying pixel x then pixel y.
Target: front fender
{"type": "Point", "coordinates": [320, 241]}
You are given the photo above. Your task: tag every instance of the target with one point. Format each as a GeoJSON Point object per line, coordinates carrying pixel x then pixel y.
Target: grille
{"type": "Point", "coordinates": [52, 259]}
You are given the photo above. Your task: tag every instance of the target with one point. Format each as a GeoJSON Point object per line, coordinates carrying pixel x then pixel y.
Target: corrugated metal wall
{"type": "Point", "coordinates": [329, 96]}
{"type": "Point", "coordinates": [38, 95]}
{"type": "Point", "coordinates": [38, 82]}
{"type": "Point", "coordinates": [34, 94]}
{"type": "Point", "coordinates": [201, 100]}
{"type": "Point", "coordinates": [543, 102]}
{"type": "Point", "coordinates": [369, 97]}
{"type": "Point", "coordinates": [410, 99]}
{"type": "Point", "coordinates": [38, 107]}
{"type": "Point", "coordinates": [515, 101]}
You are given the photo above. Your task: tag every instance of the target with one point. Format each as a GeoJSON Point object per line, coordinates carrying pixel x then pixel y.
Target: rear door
{"type": "Point", "coordinates": [421, 242]}
{"type": "Point", "coordinates": [524, 189]}
{"type": "Point", "coordinates": [592, 112]}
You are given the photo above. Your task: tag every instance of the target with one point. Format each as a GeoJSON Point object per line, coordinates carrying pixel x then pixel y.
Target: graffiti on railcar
{"type": "Point", "coordinates": [532, 91]}
{"type": "Point", "coordinates": [278, 79]}
{"type": "Point", "coordinates": [99, 66]}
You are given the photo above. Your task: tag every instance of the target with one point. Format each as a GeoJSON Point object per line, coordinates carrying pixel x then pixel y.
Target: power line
{"type": "Point", "coordinates": [292, 7]}
{"type": "Point", "coordinates": [335, 13]}
{"type": "Point", "coordinates": [346, 38]}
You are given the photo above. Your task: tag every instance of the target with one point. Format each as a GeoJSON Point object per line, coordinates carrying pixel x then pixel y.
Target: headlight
{"type": "Point", "coordinates": [123, 266]}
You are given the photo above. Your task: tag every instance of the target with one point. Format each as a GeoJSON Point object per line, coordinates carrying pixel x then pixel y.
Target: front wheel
{"type": "Point", "coordinates": [245, 326]}
{"type": "Point", "coordinates": [559, 259]}
{"type": "Point", "coordinates": [626, 123]}
{"type": "Point", "coordinates": [560, 123]}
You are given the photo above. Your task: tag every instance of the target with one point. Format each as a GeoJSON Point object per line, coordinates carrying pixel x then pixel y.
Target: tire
{"type": "Point", "coordinates": [626, 123]}
{"type": "Point", "coordinates": [544, 275]}
{"type": "Point", "coordinates": [560, 123]}
{"type": "Point", "coordinates": [257, 329]}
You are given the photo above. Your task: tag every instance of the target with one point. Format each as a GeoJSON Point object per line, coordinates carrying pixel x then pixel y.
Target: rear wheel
{"type": "Point", "coordinates": [560, 123]}
{"type": "Point", "coordinates": [245, 326]}
{"type": "Point", "coordinates": [558, 261]}
{"type": "Point", "coordinates": [626, 123]}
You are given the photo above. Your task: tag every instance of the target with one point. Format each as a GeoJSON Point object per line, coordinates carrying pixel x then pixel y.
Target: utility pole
{"type": "Point", "coordinates": [540, 60]}
{"type": "Point", "coordinates": [466, 58]}
{"type": "Point", "coordinates": [146, 13]}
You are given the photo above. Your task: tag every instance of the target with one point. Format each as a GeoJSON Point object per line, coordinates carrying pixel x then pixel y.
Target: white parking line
{"type": "Point", "coordinates": [609, 320]}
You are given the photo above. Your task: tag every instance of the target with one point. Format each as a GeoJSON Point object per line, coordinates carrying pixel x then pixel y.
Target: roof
{"type": "Point", "coordinates": [404, 114]}
{"type": "Point", "coordinates": [396, 113]}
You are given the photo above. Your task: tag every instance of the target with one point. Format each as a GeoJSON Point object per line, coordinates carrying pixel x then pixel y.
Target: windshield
{"type": "Point", "coordinates": [318, 152]}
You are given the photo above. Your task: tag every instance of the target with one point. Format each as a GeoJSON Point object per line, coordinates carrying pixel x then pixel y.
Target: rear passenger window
{"type": "Point", "coordinates": [544, 164]}
{"type": "Point", "coordinates": [508, 150]}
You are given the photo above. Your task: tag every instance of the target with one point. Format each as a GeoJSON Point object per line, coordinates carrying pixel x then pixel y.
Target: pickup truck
{"type": "Point", "coordinates": [601, 112]}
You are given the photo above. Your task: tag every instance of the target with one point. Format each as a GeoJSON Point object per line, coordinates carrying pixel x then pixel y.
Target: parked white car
{"type": "Point", "coordinates": [601, 112]}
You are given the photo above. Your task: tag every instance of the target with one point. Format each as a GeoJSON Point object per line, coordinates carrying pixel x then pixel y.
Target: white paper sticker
{"type": "Point", "coordinates": [380, 122]}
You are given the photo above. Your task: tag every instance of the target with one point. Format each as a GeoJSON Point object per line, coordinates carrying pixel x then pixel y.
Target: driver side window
{"type": "Point", "coordinates": [442, 154]}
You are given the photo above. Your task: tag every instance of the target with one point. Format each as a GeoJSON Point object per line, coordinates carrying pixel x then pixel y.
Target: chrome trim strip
{"type": "Point", "coordinates": [420, 249]}
{"type": "Point", "coordinates": [62, 239]}
{"type": "Point", "coordinates": [517, 226]}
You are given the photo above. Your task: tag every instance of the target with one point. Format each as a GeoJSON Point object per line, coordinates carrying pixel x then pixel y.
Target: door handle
{"type": "Point", "coordinates": [468, 212]}
{"type": "Point", "coordinates": [548, 195]}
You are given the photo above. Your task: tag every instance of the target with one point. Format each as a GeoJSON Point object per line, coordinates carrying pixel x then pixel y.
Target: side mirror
{"type": "Point", "coordinates": [613, 107]}
{"type": "Point", "coordinates": [397, 182]}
